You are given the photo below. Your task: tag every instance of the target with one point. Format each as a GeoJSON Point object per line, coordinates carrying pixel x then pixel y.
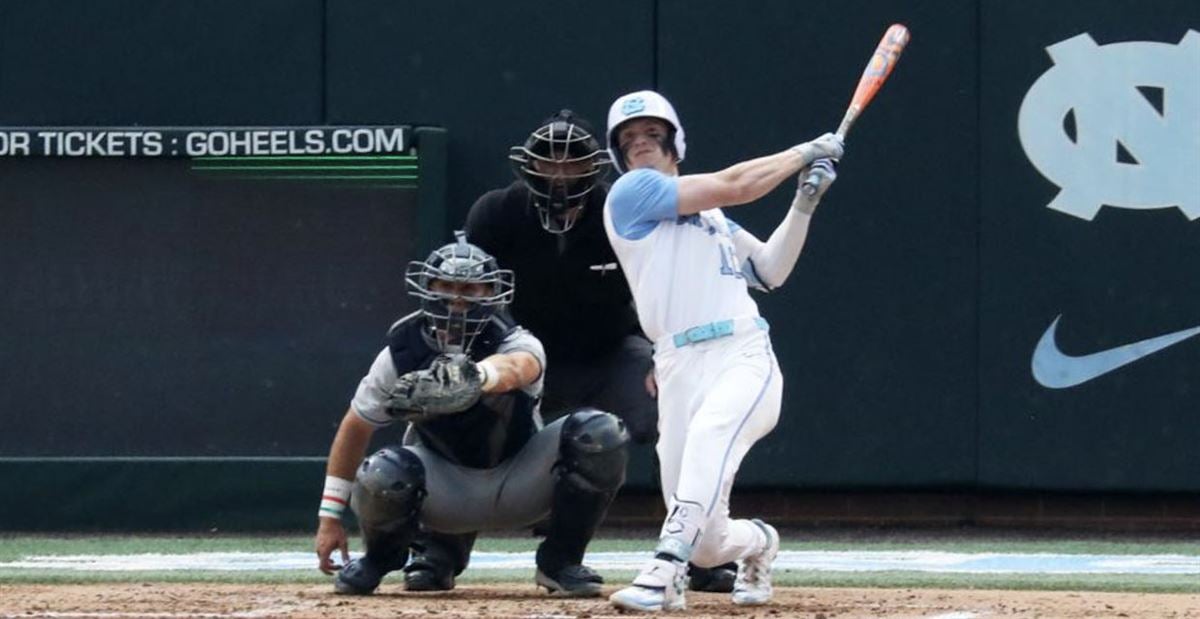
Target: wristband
{"type": "Point", "coordinates": [335, 498]}
{"type": "Point", "coordinates": [491, 375]}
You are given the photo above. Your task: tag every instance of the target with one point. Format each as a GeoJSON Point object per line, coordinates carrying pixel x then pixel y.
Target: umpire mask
{"type": "Point", "coordinates": [460, 287]}
{"type": "Point", "coordinates": [560, 163]}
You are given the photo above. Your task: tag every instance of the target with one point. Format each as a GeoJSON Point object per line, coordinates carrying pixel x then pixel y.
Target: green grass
{"type": "Point", "coordinates": [14, 547]}
{"type": "Point", "coordinates": [1144, 583]}
{"type": "Point", "coordinates": [1009, 546]}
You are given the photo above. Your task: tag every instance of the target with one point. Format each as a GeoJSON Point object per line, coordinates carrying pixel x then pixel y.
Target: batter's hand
{"type": "Point", "coordinates": [651, 384]}
{"type": "Point", "coordinates": [331, 536]}
{"type": "Point", "coordinates": [823, 173]}
{"type": "Point", "coordinates": [828, 146]}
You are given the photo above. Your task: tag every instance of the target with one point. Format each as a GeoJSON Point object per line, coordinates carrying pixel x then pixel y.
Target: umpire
{"type": "Point", "coordinates": [548, 227]}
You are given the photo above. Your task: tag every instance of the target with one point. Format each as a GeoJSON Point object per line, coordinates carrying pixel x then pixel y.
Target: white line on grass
{"type": "Point", "coordinates": [820, 561]}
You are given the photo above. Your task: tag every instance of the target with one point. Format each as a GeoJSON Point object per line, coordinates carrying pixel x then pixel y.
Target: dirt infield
{"type": "Point", "coordinates": [187, 601]}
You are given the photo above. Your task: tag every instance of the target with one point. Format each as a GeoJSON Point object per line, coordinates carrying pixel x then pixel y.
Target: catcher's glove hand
{"type": "Point", "coordinates": [452, 384]}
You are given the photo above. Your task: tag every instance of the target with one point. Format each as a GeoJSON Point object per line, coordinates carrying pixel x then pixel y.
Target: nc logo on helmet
{"type": "Point", "coordinates": [1112, 92]}
{"type": "Point", "coordinates": [633, 106]}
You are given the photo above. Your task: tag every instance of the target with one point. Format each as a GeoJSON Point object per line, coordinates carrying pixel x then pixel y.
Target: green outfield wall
{"type": "Point", "coordinates": [999, 294]}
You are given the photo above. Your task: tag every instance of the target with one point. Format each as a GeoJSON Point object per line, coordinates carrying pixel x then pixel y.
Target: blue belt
{"type": "Point", "coordinates": [711, 331]}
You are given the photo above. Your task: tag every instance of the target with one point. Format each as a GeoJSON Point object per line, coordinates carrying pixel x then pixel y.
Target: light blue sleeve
{"type": "Point", "coordinates": [641, 199]}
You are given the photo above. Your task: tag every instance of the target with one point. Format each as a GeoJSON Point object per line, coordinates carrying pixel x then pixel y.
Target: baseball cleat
{"type": "Point", "coordinates": [717, 579]}
{"type": "Point", "coordinates": [358, 577]}
{"type": "Point", "coordinates": [427, 579]}
{"type": "Point", "coordinates": [660, 586]}
{"type": "Point", "coordinates": [753, 586]}
{"type": "Point", "coordinates": [573, 581]}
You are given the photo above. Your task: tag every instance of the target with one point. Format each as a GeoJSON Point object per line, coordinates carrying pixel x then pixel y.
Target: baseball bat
{"type": "Point", "coordinates": [874, 75]}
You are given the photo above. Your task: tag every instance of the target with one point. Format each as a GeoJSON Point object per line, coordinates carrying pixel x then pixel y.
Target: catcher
{"type": "Point", "coordinates": [466, 382]}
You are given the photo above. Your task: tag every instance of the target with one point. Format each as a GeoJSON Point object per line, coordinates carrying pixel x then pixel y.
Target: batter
{"type": "Point", "coordinates": [689, 269]}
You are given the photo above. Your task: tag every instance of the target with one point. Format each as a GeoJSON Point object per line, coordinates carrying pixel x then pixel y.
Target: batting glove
{"type": "Point", "coordinates": [823, 172]}
{"type": "Point", "coordinates": [828, 146]}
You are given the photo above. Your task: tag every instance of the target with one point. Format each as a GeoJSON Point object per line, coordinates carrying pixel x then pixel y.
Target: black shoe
{"type": "Point", "coordinates": [358, 577]}
{"type": "Point", "coordinates": [717, 579]}
{"type": "Point", "coordinates": [427, 578]}
{"type": "Point", "coordinates": [573, 581]}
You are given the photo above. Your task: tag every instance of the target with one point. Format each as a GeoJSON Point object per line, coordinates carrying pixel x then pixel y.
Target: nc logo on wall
{"type": "Point", "coordinates": [1117, 125]}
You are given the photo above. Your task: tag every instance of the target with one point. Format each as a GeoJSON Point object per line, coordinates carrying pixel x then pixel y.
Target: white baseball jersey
{"type": "Point", "coordinates": [683, 270]}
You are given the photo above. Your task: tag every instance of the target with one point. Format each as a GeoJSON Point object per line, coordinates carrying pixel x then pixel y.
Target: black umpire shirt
{"type": "Point", "coordinates": [570, 291]}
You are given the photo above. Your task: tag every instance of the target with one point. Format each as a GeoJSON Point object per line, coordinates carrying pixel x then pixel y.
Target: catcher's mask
{"type": "Point", "coordinates": [561, 163]}
{"type": "Point", "coordinates": [460, 288]}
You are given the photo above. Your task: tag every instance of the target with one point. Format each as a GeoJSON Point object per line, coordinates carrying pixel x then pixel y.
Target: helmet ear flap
{"type": "Point", "coordinates": [668, 142]}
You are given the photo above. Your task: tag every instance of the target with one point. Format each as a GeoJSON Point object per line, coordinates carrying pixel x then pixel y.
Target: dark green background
{"type": "Point", "coordinates": [905, 333]}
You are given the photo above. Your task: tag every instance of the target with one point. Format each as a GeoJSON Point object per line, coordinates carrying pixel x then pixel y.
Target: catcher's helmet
{"type": "Point", "coordinates": [561, 162]}
{"type": "Point", "coordinates": [460, 287]}
{"type": "Point", "coordinates": [643, 104]}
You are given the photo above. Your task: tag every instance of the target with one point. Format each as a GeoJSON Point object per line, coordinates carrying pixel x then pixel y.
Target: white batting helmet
{"type": "Point", "coordinates": [642, 104]}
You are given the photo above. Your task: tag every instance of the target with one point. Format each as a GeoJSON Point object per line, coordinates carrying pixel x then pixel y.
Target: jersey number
{"type": "Point", "coordinates": [729, 265]}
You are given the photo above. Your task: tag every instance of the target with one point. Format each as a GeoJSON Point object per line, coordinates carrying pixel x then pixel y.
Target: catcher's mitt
{"type": "Point", "coordinates": [451, 384]}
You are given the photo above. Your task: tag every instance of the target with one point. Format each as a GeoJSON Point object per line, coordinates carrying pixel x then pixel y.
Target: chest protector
{"type": "Point", "coordinates": [492, 430]}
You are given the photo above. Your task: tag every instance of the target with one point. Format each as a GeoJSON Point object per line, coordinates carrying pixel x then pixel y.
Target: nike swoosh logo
{"type": "Point", "coordinates": [1056, 370]}
{"type": "Point", "coordinates": [608, 266]}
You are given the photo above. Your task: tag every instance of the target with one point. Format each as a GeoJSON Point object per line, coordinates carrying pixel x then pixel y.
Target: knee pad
{"type": "Point", "coordinates": [391, 481]}
{"type": "Point", "coordinates": [593, 451]}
